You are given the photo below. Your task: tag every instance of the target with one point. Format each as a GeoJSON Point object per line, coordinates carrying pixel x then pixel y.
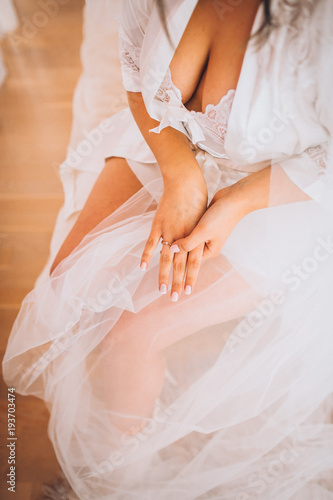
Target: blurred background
{"type": "Point", "coordinates": [59, 76]}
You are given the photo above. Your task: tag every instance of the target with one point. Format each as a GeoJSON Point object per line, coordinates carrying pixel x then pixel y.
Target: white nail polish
{"type": "Point", "coordinates": [174, 296]}
{"type": "Point", "coordinates": [188, 290]}
{"type": "Point", "coordinates": [174, 248]}
{"type": "Point", "coordinates": [143, 266]}
{"type": "Point", "coordinates": [163, 288]}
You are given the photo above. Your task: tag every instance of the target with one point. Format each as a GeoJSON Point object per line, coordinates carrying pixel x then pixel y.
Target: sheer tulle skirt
{"type": "Point", "coordinates": [226, 394]}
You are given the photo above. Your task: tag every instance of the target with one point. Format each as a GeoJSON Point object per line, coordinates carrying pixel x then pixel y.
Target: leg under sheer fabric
{"type": "Point", "coordinates": [113, 187]}
{"type": "Point", "coordinates": [133, 359]}
{"type": "Point", "coordinates": [99, 332]}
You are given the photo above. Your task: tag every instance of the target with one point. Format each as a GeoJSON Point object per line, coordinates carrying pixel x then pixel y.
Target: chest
{"type": "Point", "coordinates": [208, 59]}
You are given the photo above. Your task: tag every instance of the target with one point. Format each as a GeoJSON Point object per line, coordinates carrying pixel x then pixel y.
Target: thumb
{"type": "Point", "coordinates": [191, 241]}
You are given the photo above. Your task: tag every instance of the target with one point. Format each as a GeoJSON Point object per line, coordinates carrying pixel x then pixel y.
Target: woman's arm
{"type": "Point", "coordinates": [183, 202]}
{"type": "Point", "coordinates": [170, 147]}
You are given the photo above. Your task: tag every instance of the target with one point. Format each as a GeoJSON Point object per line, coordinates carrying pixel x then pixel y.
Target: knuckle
{"type": "Point", "coordinates": [145, 255]}
{"type": "Point", "coordinates": [194, 262]}
{"type": "Point", "coordinates": [179, 267]}
{"type": "Point", "coordinates": [177, 285]}
{"type": "Point", "coordinates": [150, 242]}
{"type": "Point", "coordinates": [164, 278]}
{"type": "Point", "coordinates": [166, 258]}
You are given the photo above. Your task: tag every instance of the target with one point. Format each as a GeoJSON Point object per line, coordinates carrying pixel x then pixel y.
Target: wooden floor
{"type": "Point", "coordinates": [35, 121]}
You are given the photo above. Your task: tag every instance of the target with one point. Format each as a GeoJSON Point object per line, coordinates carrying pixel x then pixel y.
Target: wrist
{"type": "Point", "coordinates": [252, 192]}
{"type": "Point", "coordinates": [188, 187]}
{"type": "Point", "coordinates": [182, 174]}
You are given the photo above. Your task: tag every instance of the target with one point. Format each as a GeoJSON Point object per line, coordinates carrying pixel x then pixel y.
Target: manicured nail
{"type": "Point", "coordinates": [143, 266]}
{"type": "Point", "coordinates": [163, 288]}
{"type": "Point", "coordinates": [174, 296]}
{"type": "Point", "coordinates": [174, 248]}
{"type": "Point", "coordinates": [188, 290]}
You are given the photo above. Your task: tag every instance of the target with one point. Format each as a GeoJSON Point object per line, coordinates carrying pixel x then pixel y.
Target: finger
{"type": "Point", "coordinates": [194, 239]}
{"type": "Point", "coordinates": [166, 259]}
{"type": "Point", "coordinates": [212, 249]}
{"type": "Point", "coordinates": [194, 260]}
{"type": "Point", "coordinates": [149, 248]}
{"type": "Point", "coordinates": [179, 268]}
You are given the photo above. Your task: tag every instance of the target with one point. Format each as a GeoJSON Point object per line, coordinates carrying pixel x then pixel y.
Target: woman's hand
{"type": "Point", "coordinates": [181, 206]}
{"type": "Point", "coordinates": [226, 209]}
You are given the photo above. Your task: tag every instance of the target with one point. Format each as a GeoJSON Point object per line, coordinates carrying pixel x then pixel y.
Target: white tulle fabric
{"type": "Point", "coordinates": [226, 394]}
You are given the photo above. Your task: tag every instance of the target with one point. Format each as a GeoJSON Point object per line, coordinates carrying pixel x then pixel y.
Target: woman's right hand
{"type": "Point", "coordinates": [181, 206]}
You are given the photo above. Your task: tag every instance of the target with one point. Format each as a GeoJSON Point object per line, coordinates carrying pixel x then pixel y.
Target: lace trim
{"type": "Point", "coordinates": [167, 90]}
{"type": "Point", "coordinates": [129, 55]}
{"type": "Point", "coordinates": [319, 155]}
{"type": "Point", "coordinates": [215, 118]}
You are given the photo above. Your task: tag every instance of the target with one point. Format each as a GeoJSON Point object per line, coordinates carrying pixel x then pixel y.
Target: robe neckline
{"type": "Point", "coordinates": [156, 55]}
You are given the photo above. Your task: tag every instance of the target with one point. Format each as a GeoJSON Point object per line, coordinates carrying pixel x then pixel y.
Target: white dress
{"type": "Point", "coordinates": [245, 410]}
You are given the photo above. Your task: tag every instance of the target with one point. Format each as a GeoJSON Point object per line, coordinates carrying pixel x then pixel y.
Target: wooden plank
{"type": "Point", "coordinates": [35, 124]}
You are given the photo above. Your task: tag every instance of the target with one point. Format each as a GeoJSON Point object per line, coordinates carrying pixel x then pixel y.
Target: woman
{"type": "Point", "coordinates": [220, 384]}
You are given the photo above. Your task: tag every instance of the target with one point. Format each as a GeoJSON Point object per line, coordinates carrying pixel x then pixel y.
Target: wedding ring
{"type": "Point", "coordinates": [165, 242]}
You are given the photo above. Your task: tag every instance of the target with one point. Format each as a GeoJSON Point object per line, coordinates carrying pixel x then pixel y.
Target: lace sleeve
{"type": "Point", "coordinates": [135, 15]}
{"type": "Point", "coordinates": [319, 156]}
{"type": "Point", "coordinates": [311, 171]}
{"type": "Point", "coordinates": [130, 63]}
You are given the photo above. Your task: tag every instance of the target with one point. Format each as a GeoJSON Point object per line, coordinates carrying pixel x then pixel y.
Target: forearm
{"type": "Point", "coordinates": [234, 202]}
{"type": "Point", "coordinates": [268, 187]}
{"type": "Point", "coordinates": [170, 147]}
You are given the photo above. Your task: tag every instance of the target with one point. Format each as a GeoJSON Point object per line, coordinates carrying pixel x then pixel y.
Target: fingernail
{"type": "Point", "coordinates": [175, 248]}
{"type": "Point", "coordinates": [143, 266]}
{"type": "Point", "coordinates": [174, 296]}
{"type": "Point", "coordinates": [163, 288]}
{"type": "Point", "coordinates": [188, 290]}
